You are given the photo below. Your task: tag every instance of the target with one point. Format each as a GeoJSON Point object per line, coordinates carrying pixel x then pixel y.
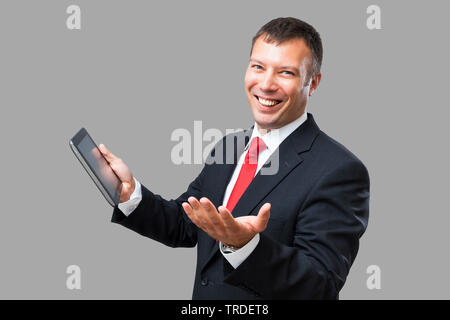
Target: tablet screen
{"type": "Point", "coordinates": [98, 164]}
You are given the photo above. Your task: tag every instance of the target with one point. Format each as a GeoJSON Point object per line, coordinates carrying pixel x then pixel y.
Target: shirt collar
{"type": "Point", "coordinates": [275, 137]}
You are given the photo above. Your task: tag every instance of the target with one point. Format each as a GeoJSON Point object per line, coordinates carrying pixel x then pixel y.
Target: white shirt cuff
{"type": "Point", "coordinates": [239, 256]}
{"type": "Point", "coordinates": [128, 207]}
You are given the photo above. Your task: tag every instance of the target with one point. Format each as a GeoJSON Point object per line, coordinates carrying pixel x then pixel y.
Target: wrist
{"type": "Point", "coordinates": [127, 190]}
{"type": "Point", "coordinates": [235, 246]}
{"type": "Point", "coordinates": [133, 186]}
{"type": "Point", "coordinates": [229, 248]}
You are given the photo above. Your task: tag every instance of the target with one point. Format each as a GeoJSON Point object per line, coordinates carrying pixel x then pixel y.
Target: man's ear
{"type": "Point", "coordinates": [314, 82]}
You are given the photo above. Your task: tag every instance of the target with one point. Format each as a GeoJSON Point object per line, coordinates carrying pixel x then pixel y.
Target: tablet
{"type": "Point", "coordinates": [96, 166]}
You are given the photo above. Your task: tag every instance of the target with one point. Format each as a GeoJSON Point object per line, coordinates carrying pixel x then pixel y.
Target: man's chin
{"type": "Point", "coordinates": [264, 123]}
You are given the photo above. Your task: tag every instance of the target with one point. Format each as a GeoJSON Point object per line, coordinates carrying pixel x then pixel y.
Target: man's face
{"type": "Point", "coordinates": [275, 82]}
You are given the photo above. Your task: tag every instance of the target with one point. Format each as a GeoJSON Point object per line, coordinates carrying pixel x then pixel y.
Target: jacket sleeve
{"type": "Point", "coordinates": [163, 220]}
{"type": "Point", "coordinates": [326, 241]}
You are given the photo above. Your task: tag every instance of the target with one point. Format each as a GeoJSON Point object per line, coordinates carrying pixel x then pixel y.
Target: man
{"type": "Point", "coordinates": [291, 234]}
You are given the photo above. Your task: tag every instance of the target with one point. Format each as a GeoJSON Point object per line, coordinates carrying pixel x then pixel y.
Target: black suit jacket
{"type": "Point", "coordinates": [319, 210]}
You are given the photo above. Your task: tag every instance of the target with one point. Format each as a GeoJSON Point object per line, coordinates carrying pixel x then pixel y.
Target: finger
{"type": "Point", "coordinates": [208, 214]}
{"type": "Point", "coordinates": [106, 153]}
{"type": "Point", "coordinates": [188, 209]}
{"type": "Point", "coordinates": [262, 218]}
{"type": "Point", "coordinates": [211, 214]}
{"type": "Point", "coordinates": [207, 208]}
{"type": "Point", "coordinates": [207, 205]}
{"type": "Point", "coordinates": [190, 213]}
{"type": "Point", "coordinates": [227, 218]}
{"type": "Point", "coordinates": [194, 203]}
{"type": "Point", "coordinates": [201, 219]}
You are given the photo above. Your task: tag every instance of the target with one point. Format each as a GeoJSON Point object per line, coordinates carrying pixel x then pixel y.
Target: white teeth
{"type": "Point", "coordinates": [267, 102]}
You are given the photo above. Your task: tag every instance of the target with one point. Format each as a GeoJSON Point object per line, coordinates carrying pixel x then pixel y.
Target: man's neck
{"type": "Point", "coordinates": [263, 131]}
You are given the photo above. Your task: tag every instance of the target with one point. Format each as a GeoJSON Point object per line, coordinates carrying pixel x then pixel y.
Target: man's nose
{"type": "Point", "coordinates": [268, 82]}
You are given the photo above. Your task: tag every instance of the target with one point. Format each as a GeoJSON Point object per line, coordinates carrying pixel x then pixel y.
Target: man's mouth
{"type": "Point", "coordinates": [267, 102]}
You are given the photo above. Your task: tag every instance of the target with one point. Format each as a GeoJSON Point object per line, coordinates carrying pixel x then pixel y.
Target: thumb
{"type": "Point", "coordinates": [263, 217]}
{"type": "Point", "coordinates": [106, 153]}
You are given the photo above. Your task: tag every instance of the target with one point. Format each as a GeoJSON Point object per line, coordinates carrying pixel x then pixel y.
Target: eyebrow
{"type": "Point", "coordinates": [282, 67]}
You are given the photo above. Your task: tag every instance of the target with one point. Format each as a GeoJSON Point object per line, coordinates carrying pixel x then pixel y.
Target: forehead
{"type": "Point", "coordinates": [294, 52]}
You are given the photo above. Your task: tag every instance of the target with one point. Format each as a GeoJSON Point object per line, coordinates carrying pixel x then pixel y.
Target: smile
{"type": "Point", "coordinates": [267, 102]}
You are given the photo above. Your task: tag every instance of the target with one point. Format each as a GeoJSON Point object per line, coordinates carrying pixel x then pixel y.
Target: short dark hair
{"type": "Point", "coordinates": [280, 30]}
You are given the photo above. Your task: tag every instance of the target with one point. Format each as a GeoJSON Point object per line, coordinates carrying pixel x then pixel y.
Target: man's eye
{"type": "Point", "coordinates": [257, 66]}
{"type": "Point", "coordinates": [288, 73]}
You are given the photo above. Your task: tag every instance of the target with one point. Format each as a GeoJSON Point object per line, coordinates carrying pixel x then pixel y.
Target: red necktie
{"type": "Point", "coordinates": [247, 172]}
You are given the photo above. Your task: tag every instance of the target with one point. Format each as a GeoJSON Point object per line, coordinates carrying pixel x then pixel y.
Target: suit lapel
{"type": "Point", "coordinates": [262, 184]}
{"type": "Point", "coordinates": [287, 156]}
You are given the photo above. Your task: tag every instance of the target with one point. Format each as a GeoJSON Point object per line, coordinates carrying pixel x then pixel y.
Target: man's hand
{"type": "Point", "coordinates": [122, 171]}
{"type": "Point", "coordinates": [222, 226]}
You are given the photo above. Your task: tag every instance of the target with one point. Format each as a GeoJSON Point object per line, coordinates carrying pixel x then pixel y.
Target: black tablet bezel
{"type": "Point", "coordinates": [77, 138]}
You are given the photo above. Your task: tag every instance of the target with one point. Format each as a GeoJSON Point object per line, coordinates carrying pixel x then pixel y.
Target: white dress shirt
{"type": "Point", "coordinates": [272, 139]}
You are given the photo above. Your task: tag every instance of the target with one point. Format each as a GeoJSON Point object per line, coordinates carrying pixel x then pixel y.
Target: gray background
{"type": "Point", "coordinates": [137, 70]}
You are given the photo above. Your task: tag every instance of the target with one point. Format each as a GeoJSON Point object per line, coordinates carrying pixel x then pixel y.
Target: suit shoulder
{"type": "Point", "coordinates": [332, 160]}
{"type": "Point", "coordinates": [331, 149]}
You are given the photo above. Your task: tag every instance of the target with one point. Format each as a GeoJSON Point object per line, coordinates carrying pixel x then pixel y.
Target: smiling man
{"type": "Point", "coordinates": [280, 78]}
{"type": "Point", "coordinates": [292, 234]}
